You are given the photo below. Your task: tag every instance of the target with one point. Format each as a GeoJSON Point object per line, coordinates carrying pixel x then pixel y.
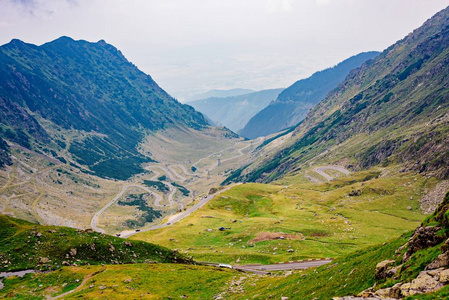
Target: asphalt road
{"type": "Point", "coordinates": [94, 221]}
{"type": "Point", "coordinates": [301, 265]}
{"type": "Point", "coordinates": [177, 217]}
{"type": "Point", "coordinates": [320, 170]}
{"type": "Point", "coordinates": [174, 176]}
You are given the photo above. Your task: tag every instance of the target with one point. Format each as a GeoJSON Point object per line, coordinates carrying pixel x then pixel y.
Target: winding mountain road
{"type": "Point", "coordinates": [174, 176]}
{"type": "Point", "coordinates": [94, 221]}
{"type": "Point", "coordinates": [180, 216]}
{"type": "Point", "coordinates": [320, 170]}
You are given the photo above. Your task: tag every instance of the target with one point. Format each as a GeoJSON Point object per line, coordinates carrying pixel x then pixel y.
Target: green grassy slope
{"type": "Point", "coordinates": [25, 245]}
{"type": "Point", "coordinates": [316, 220]}
{"type": "Point", "coordinates": [138, 281]}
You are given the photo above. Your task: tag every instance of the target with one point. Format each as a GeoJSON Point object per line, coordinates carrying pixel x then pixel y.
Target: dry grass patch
{"type": "Point", "coordinates": [268, 236]}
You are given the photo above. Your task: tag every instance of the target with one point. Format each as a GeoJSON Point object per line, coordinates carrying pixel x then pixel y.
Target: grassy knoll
{"type": "Point", "coordinates": [347, 275]}
{"type": "Point", "coordinates": [25, 245]}
{"type": "Point", "coordinates": [308, 220]}
{"type": "Point", "coordinates": [139, 281]}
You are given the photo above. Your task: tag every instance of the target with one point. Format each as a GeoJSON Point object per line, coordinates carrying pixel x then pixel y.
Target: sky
{"type": "Point", "coordinates": [191, 46]}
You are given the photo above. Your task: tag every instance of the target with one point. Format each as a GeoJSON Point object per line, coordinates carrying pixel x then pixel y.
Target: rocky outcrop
{"type": "Point", "coordinates": [430, 201]}
{"type": "Point", "coordinates": [383, 269]}
{"type": "Point", "coordinates": [422, 238]}
{"type": "Point", "coordinates": [426, 282]}
{"type": "Point", "coordinates": [441, 261]}
{"type": "Point", "coordinates": [434, 276]}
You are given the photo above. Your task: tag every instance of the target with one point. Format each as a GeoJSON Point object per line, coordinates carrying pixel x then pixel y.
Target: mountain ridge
{"type": "Point", "coordinates": [235, 111]}
{"type": "Point", "coordinates": [393, 109]}
{"type": "Point", "coordinates": [293, 104]}
{"type": "Point", "coordinates": [87, 88]}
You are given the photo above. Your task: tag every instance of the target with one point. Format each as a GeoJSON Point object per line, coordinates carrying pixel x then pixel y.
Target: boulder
{"type": "Point", "coordinates": [383, 268]}
{"type": "Point", "coordinates": [444, 276]}
{"type": "Point", "coordinates": [441, 261]}
{"type": "Point", "coordinates": [393, 292]}
{"type": "Point", "coordinates": [73, 252]}
{"type": "Point", "coordinates": [424, 283]}
{"type": "Point", "coordinates": [422, 238]}
{"type": "Point", "coordinates": [44, 260]}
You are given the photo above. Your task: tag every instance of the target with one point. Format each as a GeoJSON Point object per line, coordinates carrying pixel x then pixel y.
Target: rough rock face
{"type": "Point", "coordinates": [383, 268]}
{"type": "Point", "coordinates": [361, 298]}
{"type": "Point", "coordinates": [430, 201]}
{"type": "Point", "coordinates": [426, 282]}
{"type": "Point", "coordinates": [422, 238]}
{"type": "Point", "coordinates": [441, 261]}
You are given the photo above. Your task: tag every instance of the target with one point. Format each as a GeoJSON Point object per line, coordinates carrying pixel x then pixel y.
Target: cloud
{"type": "Point", "coordinates": [36, 7]}
{"type": "Point", "coordinates": [275, 6]}
{"type": "Point", "coordinates": [322, 2]}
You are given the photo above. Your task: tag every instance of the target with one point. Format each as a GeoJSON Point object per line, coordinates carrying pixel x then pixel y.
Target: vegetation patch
{"type": "Point", "coordinates": [136, 281]}
{"type": "Point", "coordinates": [160, 186]}
{"type": "Point", "coordinates": [149, 214]}
{"type": "Point", "coordinates": [184, 191]}
{"type": "Point", "coordinates": [267, 236]}
{"type": "Point", "coordinates": [332, 222]}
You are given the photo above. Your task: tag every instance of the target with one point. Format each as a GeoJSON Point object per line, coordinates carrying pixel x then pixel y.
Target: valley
{"type": "Point", "coordinates": [110, 188]}
{"type": "Point", "coordinates": [294, 220]}
{"type": "Point", "coordinates": [182, 186]}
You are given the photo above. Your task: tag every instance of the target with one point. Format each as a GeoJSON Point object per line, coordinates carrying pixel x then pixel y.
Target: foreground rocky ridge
{"type": "Point", "coordinates": [426, 252]}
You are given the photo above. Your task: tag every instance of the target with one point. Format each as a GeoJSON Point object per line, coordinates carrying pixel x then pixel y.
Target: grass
{"type": "Point", "coordinates": [149, 281]}
{"type": "Point", "coordinates": [347, 275]}
{"type": "Point", "coordinates": [25, 245]}
{"type": "Point", "coordinates": [331, 222]}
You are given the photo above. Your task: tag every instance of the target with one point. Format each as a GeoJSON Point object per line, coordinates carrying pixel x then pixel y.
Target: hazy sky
{"type": "Point", "coordinates": [190, 46]}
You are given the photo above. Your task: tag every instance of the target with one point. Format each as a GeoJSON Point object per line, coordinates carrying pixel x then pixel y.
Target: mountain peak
{"type": "Point", "coordinates": [16, 42]}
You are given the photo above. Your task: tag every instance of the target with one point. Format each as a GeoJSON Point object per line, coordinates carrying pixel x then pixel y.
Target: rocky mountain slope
{"type": "Point", "coordinates": [84, 99]}
{"type": "Point", "coordinates": [235, 111]}
{"type": "Point", "coordinates": [293, 104]}
{"type": "Point", "coordinates": [394, 109]}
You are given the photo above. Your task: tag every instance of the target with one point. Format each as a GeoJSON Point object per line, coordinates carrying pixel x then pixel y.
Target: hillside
{"type": "Point", "coordinates": [269, 223]}
{"type": "Point", "coordinates": [293, 104]}
{"type": "Point", "coordinates": [394, 109]}
{"type": "Point", "coordinates": [413, 266]}
{"type": "Point", "coordinates": [416, 259]}
{"type": "Point", "coordinates": [234, 112]}
{"type": "Point", "coordinates": [86, 100]}
{"type": "Point", "coordinates": [25, 245]}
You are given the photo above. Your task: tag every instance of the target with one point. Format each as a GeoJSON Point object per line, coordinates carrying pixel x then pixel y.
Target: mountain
{"type": "Point", "coordinates": [293, 104]}
{"type": "Point", "coordinates": [220, 94]}
{"type": "Point", "coordinates": [392, 110]}
{"type": "Point", "coordinates": [85, 100]}
{"type": "Point", "coordinates": [234, 112]}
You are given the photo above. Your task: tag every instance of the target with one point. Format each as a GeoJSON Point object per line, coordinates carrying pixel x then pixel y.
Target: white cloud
{"type": "Point", "coordinates": [322, 2]}
{"type": "Point", "coordinates": [275, 6]}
